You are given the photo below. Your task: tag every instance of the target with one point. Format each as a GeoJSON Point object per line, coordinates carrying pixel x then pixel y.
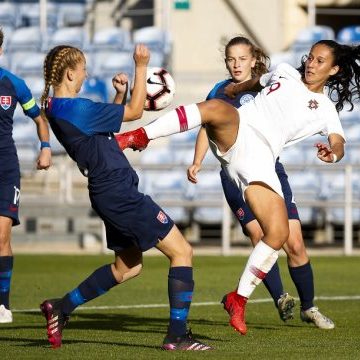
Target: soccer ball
{"type": "Point", "coordinates": [160, 89]}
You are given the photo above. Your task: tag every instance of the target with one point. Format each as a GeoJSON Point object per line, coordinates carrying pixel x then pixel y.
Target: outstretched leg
{"type": "Point", "coordinates": [128, 264]}
{"type": "Point", "coordinates": [220, 119]}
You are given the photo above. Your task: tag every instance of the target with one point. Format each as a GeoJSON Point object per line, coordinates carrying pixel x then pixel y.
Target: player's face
{"type": "Point", "coordinates": [239, 62]}
{"type": "Point", "coordinates": [80, 74]}
{"type": "Point", "coordinates": [319, 65]}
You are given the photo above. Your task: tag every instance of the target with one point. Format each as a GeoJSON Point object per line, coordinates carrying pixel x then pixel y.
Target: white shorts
{"type": "Point", "coordinates": [249, 159]}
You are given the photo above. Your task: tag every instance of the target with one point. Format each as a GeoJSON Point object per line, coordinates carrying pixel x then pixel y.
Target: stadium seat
{"type": "Point", "coordinates": [8, 15]}
{"type": "Point", "coordinates": [114, 38]}
{"type": "Point", "coordinates": [208, 188]}
{"type": "Point", "coordinates": [185, 139]}
{"type": "Point", "coordinates": [292, 155]}
{"type": "Point", "coordinates": [349, 35]}
{"type": "Point", "coordinates": [30, 15]}
{"type": "Point", "coordinates": [36, 85]}
{"type": "Point", "coordinates": [307, 37]}
{"type": "Point", "coordinates": [71, 14]}
{"type": "Point", "coordinates": [25, 39]}
{"type": "Point", "coordinates": [95, 89]}
{"type": "Point", "coordinates": [31, 65]}
{"type": "Point", "coordinates": [75, 36]}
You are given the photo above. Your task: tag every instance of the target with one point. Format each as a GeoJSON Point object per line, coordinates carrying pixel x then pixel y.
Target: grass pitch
{"type": "Point", "coordinates": [130, 321]}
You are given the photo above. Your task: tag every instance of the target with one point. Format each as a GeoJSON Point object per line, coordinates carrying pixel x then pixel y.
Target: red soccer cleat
{"type": "Point", "coordinates": [136, 139]}
{"type": "Point", "coordinates": [55, 321]}
{"type": "Point", "coordinates": [234, 304]}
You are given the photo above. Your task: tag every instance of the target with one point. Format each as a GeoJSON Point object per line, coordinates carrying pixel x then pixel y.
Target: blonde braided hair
{"type": "Point", "coordinates": [56, 62]}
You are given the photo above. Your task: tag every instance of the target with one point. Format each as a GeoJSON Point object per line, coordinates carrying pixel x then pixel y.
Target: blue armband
{"type": "Point", "coordinates": [44, 144]}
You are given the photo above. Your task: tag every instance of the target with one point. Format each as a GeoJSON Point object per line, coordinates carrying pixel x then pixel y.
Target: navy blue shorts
{"type": "Point", "coordinates": [239, 207]}
{"type": "Point", "coordinates": [10, 189]}
{"type": "Point", "coordinates": [131, 218]}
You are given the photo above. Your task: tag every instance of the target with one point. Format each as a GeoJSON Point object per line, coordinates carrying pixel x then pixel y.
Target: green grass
{"type": "Point", "coordinates": [137, 333]}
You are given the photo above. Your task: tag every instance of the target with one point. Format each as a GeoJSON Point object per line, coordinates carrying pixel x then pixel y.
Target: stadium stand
{"type": "Point", "coordinates": [349, 35]}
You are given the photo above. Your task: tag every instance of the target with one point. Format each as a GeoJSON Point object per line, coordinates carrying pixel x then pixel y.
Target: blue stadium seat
{"type": "Point", "coordinates": [185, 139]}
{"type": "Point", "coordinates": [30, 15]}
{"type": "Point", "coordinates": [36, 85]}
{"type": "Point", "coordinates": [71, 14]}
{"type": "Point", "coordinates": [114, 38]}
{"type": "Point", "coordinates": [349, 35]}
{"type": "Point", "coordinates": [75, 36]}
{"type": "Point", "coordinates": [95, 89]}
{"type": "Point", "coordinates": [307, 37]}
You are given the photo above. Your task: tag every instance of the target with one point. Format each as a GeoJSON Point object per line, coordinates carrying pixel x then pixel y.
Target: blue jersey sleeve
{"type": "Point", "coordinates": [24, 96]}
{"type": "Point", "coordinates": [213, 93]}
{"type": "Point", "coordinates": [93, 117]}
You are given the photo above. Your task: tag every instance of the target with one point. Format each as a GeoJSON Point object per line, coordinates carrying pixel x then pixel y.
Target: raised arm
{"type": "Point", "coordinates": [120, 83]}
{"type": "Point", "coordinates": [333, 152]}
{"type": "Point", "coordinates": [134, 109]}
{"type": "Point", "coordinates": [233, 89]}
{"type": "Point", "coordinates": [201, 147]}
{"type": "Point", "coordinates": [44, 158]}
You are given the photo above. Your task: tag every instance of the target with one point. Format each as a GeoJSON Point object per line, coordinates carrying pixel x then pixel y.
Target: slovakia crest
{"type": "Point", "coordinates": [5, 101]}
{"type": "Point", "coordinates": [162, 217]}
{"type": "Point", "coordinates": [240, 214]}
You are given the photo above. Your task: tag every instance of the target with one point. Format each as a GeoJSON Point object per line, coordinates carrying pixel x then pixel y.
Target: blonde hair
{"type": "Point", "coordinates": [56, 62]}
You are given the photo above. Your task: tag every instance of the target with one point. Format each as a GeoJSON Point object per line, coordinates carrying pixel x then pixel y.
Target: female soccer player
{"type": "Point", "coordinates": [243, 61]}
{"type": "Point", "coordinates": [290, 107]}
{"type": "Point", "coordinates": [12, 91]}
{"type": "Point", "coordinates": [134, 223]}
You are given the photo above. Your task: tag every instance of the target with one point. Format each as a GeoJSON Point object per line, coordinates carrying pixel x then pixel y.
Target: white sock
{"type": "Point", "coordinates": [181, 119]}
{"type": "Point", "coordinates": [260, 262]}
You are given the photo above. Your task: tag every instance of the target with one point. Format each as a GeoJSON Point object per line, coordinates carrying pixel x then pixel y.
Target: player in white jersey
{"type": "Point", "coordinates": [291, 107]}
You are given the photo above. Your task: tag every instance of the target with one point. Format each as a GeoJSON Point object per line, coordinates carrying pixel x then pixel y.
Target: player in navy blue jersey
{"type": "Point", "coordinates": [13, 90]}
{"type": "Point", "coordinates": [134, 222]}
{"type": "Point", "coordinates": [243, 61]}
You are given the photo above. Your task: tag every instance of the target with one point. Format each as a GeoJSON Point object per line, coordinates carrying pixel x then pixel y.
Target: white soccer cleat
{"type": "Point", "coordinates": [5, 315]}
{"type": "Point", "coordinates": [313, 315]}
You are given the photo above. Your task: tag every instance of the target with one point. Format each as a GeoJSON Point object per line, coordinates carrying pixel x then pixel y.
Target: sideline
{"type": "Point", "coordinates": [207, 303]}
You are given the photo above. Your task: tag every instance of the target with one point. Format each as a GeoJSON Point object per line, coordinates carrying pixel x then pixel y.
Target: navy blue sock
{"type": "Point", "coordinates": [98, 283]}
{"type": "Point", "coordinates": [6, 266]}
{"type": "Point", "coordinates": [303, 278]}
{"type": "Point", "coordinates": [273, 283]}
{"type": "Point", "coordinates": [180, 289]}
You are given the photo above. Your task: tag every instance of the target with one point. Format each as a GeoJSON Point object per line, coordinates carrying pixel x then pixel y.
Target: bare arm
{"type": "Point", "coordinates": [233, 89]}
{"type": "Point", "coordinates": [44, 158]}
{"type": "Point", "coordinates": [134, 109]}
{"type": "Point", "coordinates": [201, 147]}
{"type": "Point", "coordinates": [333, 152]}
{"type": "Point", "coordinates": [120, 83]}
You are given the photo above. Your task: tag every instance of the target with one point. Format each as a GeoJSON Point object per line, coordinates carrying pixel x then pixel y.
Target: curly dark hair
{"type": "Point", "coordinates": [1, 37]}
{"type": "Point", "coordinates": [344, 86]}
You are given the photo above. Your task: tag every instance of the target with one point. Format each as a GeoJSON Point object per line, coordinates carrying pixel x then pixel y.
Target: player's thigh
{"type": "Point", "coordinates": [128, 263]}
{"type": "Point", "coordinates": [5, 229]}
{"type": "Point", "coordinates": [176, 247]}
{"type": "Point", "coordinates": [270, 211]}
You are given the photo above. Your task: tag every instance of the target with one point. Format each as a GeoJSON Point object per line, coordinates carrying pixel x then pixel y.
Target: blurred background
{"type": "Point", "coordinates": [186, 37]}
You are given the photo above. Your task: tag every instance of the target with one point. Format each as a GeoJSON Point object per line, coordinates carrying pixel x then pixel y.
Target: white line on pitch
{"type": "Point", "coordinates": [207, 303]}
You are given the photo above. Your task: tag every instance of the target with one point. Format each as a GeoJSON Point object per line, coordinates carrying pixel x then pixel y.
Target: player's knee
{"type": "Point", "coordinates": [296, 248]}
{"type": "Point", "coordinates": [278, 234]}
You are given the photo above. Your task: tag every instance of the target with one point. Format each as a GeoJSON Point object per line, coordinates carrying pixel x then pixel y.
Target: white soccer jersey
{"type": "Point", "coordinates": [286, 111]}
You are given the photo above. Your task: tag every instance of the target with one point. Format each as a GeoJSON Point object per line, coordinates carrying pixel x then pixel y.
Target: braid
{"type": "Point", "coordinates": [344, 86]}
{"type": "Point", "coordinates": [56, 62]}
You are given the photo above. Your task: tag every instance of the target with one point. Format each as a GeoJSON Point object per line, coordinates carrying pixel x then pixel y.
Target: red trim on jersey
{"type": "Point", "coordinates": [182, 118]}
{"type": "Point", "coordinates": [257, 272]}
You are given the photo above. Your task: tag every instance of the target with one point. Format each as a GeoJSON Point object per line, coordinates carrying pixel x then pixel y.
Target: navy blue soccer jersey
{"type": "Point", "coordinates": [12, 91]}
{"type": "Point", "coordinates": [85, 129]}
{"type": "Point", "coordinates": [218, 93]}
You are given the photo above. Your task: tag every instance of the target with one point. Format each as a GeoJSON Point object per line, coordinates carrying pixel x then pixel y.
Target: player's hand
{"type": "Point", "coordinates": [44, 160]}
{"type": "Point", "coordinates": [230, 90]}
{"type": "Point", "coordinates": [192, 173]}
{"type": "Point", "coordinates": [120, 83]}
{"type": "Point", "coordinates": [141, 55]}
{"type": "Point", "coordinates": [324, 152]}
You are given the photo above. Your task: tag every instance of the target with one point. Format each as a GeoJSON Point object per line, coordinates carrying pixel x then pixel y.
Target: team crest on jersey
{"type": "Point", "coordinates": [313, 104]}
{"type": "Point", "coordinates": [162, 217]}
{"type": "Point", "coordinates": [240, 214]}
{"type": "Point", "coordinates": [5, 101]}
{"type": "Point", "coordinates": [246, 98]}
